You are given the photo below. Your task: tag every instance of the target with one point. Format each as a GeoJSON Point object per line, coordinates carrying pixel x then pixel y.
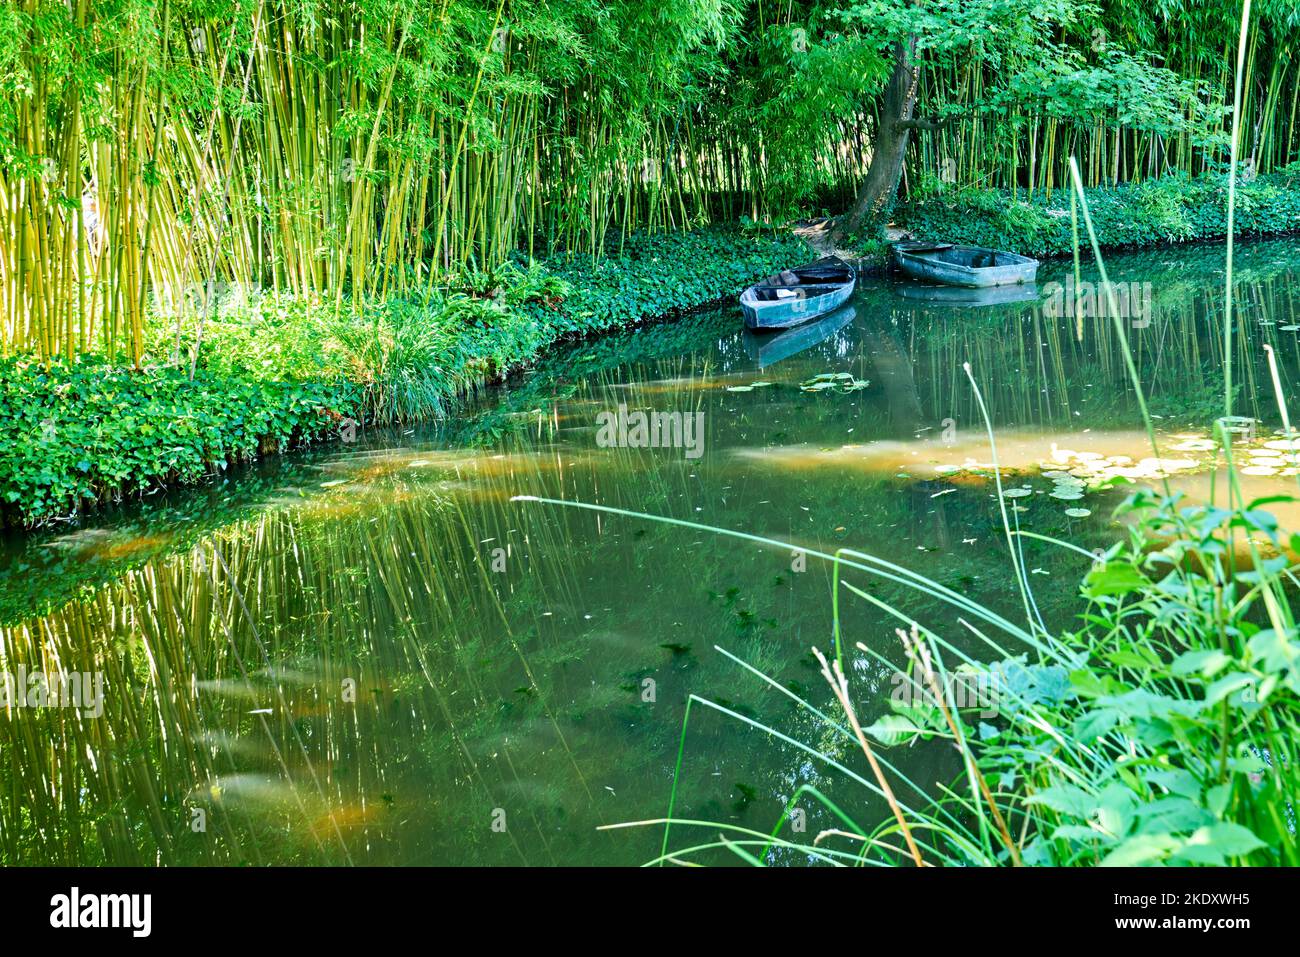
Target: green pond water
{"type": "Point", "coordinates": [380, 654]}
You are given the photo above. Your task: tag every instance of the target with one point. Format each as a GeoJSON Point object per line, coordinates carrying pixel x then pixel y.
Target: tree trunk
{"type": "Point", "coordinates": [894, 370]}
{"type": "Point", "coordinates": [879, 189]}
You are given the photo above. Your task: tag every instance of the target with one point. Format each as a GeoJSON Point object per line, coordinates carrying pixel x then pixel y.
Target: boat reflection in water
{"type": "Point", "coordinates": [967, 296]}
{"type": "Point", "coordinates": [769, 349]}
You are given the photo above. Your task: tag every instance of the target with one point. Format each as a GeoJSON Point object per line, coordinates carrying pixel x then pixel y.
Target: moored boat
{"type": "Point", "coordinates": [971, 266]}
{"type": "Point", "coordinates": [797, 295]}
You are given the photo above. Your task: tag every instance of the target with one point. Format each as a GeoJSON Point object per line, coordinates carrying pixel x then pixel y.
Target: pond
{"type": "Point", "coordinates": [392, 653]}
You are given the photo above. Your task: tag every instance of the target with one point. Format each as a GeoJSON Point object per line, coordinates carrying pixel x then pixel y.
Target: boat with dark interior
{"type": "Point", "coordinates": [795, 296]}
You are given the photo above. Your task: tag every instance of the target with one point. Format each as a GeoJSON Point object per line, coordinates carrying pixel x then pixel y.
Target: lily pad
{"type": "Point", "coordinates": [839, 381]}
{"type": "Point", "coordinates": [1169, 465]}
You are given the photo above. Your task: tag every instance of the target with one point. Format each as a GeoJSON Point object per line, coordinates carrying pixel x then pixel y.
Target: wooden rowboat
{"type": "Point", "coordinates": [797, 295]}
{"type": "Point", "coordinates": [971, 266]}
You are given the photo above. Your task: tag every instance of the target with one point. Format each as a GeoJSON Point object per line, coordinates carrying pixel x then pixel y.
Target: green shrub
{"type": "Point", "coordinates": [661, 275]}
{"type": "Point", "coordinates": [283, 372]}
{"type": "Point", "coordinates": [1172, 209]}
{"type": "Point", "coordinates": [85, 431]}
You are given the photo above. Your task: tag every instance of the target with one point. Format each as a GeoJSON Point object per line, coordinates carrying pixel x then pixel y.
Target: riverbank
{"type": "Point", "coordinates": [278, 374]}
{"type": "Point", "coordinates": [1166, 211]}
{"type": "Point", "coordinates": [383, 561]}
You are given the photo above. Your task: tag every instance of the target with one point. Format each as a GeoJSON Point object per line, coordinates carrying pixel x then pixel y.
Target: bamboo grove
{"type": "Point", "coordinates": [162, 154]}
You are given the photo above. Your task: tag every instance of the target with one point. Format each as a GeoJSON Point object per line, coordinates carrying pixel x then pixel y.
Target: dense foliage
{"type": "Point", "coordinates": [1172, 209]}
{"type": "Point", "coordinates": [81, 430]}
{"type": "Point", "coordinates": [663, 275]}
{"type": "Point", "coordinates": [357, 151]}
{"type": "Point", "coordinates": [284, 373]}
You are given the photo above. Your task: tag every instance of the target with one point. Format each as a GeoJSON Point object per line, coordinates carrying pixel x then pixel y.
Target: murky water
{"type": "Point", "coordinates": [383, 655]}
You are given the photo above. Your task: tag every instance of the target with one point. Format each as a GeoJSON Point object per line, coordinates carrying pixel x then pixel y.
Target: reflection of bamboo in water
{"type": "Point", "coordinates": [1177, 352]}
{"type": "Point", "coordinates": [893, 369]}
{"type": "Point", "coordinates": [380, 569]}
{"type": "Point", "coordinates": [170, 622]}
{"type": "Point", "coordinates": [382, 551]}
{"type": "Point", "coordinates": [489, 588]}
{"type": "Point", "coordinates": [68, 800]}
{"type": "Point", "coordinates": [261, 718]}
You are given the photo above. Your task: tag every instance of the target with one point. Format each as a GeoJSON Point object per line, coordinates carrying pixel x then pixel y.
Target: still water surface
{"type": "Point", "coordinates": [382, 655]}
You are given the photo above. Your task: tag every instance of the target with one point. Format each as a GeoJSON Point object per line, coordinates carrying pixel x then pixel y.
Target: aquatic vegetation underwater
{"type": "Point", "coordinates": [1160, 729]}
